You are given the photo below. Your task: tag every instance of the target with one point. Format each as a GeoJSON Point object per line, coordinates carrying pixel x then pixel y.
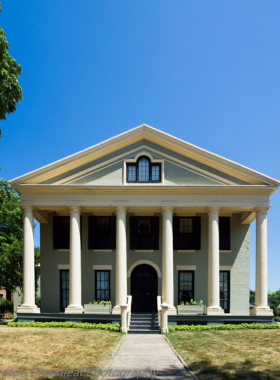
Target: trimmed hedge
{"type": "Point", "coordinates": [92, 326]}
{"type": "Point", "coordinates": [241, 326]}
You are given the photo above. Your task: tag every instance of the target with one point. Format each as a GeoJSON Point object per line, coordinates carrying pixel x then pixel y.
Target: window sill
{"type": "Point", "coordinates": [144, 250]}
{"type": "Point", "coordinates": [225, 251]}
{"type": "Point", "coordinates": [186, 250]}
{"type": "Point", "coordinates": [64, 250]}
{"type": "Point", "coordinates": [102, 250]}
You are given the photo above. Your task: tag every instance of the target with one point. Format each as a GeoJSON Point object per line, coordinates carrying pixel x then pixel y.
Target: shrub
{"type": "Point", "coordinates": [277, 319]}
{"type": "Point", "coordinates": [6, 306]}
{"type": "Point", "coordinates": [92, 326]}
{"type": "Point", "coordinates": [100, 303]}
{"type": "Point", "coordinates": [241, 326]}
{"type": "Point", "coordinates": [38, 301]}
{"type": "Point", "coordinates": [192, 302]}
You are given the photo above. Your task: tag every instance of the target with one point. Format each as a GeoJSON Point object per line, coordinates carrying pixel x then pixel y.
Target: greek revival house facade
{"type": "Point", "coordinates": [147, 221]}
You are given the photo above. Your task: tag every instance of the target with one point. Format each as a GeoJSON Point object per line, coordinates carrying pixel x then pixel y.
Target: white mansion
{"type": "Point", "coordinates": [145, 214]}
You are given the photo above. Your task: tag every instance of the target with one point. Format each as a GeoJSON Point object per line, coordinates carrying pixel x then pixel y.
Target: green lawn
{"type": "Point", "coordinates": [26, 348]}
{"type": "Point", "coordinates": [231, 355]}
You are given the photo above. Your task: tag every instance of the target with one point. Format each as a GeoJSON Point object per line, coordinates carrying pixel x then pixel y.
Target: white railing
{"type": "Point", "coordinates": [126, 314]}
{"type": "Point", "coordinates": [129, 302]}
{"type": "Point", "coordinates": [159, 309]}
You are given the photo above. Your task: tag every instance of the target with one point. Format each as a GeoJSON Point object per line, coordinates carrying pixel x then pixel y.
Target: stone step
{"type": "Point", "coordinates": [146, 323]}
{"type": "Point", "coordinates": [145, 319]}
{"type": "Point", "coordinates": [143, 331]}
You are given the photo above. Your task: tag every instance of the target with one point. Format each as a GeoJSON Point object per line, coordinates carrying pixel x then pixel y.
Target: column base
{"type": "Point", "coordinates": [28, 309]}
{"type": "Point", "coordinates": [116, 309]}
{"type": "Point", "coordinates": [262, 311]}
{"type": "Point", "coordinates": [164, 330]}
{"type": "Point", "coordinates": [214, 311]}
{"type": "Point", "coordinates": [74, 310]}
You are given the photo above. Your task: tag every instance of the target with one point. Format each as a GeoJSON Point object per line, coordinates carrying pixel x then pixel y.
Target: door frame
{"type": "Point", "coordinates": [155, 277]}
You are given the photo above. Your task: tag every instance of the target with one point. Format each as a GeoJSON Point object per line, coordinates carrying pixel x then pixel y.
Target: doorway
{"type": "Point", "coordinates": [144, 289]}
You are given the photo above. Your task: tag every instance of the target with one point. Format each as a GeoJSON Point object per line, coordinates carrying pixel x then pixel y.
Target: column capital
{"type": "Point", "coordinates": [167, 209]}
{"type": "Point", "coordinates": [213, 210]}
{"type": "Point", "coordinates": [261, 210]}
{"type": "Point", "coordinates": [76, 209]}
{"type": "Point", "coordinates": [27, 208]}
{"type": "Point", "coordinates": [120, 209]}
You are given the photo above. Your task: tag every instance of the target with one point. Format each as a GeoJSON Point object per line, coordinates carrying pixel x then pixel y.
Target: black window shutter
{"type": "Point", "coordinates": [155, 232]}
{"type": "Point", "coordinates": [113, 232]}
{"type": "Point", "coordinates": [92, 241]}
{"type": "Point", "coordinates": [197, 232]}
{"type": "Point", "coordinates": [224, 232]}
{"type": "Point", "coordinates": [176, 233]}
{"type": "Point", "coordinates": [133, 232]}
{"type": "Point", "coordinates": [56, 232]}
{"type": "Point", "coordinates": [64, 232]}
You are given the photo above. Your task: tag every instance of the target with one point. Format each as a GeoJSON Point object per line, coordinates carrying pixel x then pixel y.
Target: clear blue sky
{"type": "Point", "coordinates": [205, 71]}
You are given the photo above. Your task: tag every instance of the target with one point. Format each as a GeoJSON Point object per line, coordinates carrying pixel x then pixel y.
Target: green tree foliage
{"type": "Point", "coordinates": [10, 90]}
{"type": "Point", "coordinates": [11, 239]}
{"type": "Point", "coordinates": [274, 302]}
{"type": "Point", "coordinates": [252, 299]}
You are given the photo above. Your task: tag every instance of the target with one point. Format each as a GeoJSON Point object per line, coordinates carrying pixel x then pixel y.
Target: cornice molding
{"type": "Point", "coordinates": [161, 138]}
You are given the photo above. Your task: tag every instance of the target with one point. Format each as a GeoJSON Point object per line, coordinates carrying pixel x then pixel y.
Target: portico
{"type": "Point", "coordinates": [145, 197]}
{"type": "Point", "coordinates": [75, 288]}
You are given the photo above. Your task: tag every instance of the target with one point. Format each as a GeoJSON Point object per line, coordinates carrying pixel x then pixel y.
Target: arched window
{"type": "Point", "coordinates": [143, 171]}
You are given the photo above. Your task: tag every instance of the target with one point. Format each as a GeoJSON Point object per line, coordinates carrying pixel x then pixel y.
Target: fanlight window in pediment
{"type": "Point", "coordinates": [143, 171]}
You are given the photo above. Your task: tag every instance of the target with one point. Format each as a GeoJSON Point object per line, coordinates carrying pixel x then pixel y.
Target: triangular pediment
{"type": "Point", "coordinates": [183, 164]}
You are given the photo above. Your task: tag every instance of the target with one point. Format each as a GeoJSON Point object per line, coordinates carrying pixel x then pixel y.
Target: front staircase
{"type": "Point", "coordinates": [144, 323]}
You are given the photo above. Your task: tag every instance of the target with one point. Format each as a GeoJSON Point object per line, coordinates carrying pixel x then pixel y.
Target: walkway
{"type": "Point", "coordinates": [144, 356]}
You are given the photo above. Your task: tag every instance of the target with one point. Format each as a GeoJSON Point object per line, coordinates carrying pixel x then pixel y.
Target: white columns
{"type": "Point", "coordinates": [261, 307]}
{"type": "Point", "coordinates": [213, 263]}
{"type": "Point", "coordinates": [167, 259]}
{"type": "Point", "coordinates": [28, 305]}
{"type": "Point", "coordinates": [121, 259]}
{"type": "Point", "coordinates": [75, 283]}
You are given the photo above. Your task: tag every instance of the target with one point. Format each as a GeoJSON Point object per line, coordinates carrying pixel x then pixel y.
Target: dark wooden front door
{"type": "Point", "coordinates": [144, 289]}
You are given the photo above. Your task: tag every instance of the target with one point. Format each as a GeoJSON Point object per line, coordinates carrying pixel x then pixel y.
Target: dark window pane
{"type": "Point", "coordinates": [143, 170]}
{"type": "Point", "coordinates": [224, 290]}
{"type": "Point", "coordinates": [186, 286]}
{"type": "Point", "coordinates": [102, 283]}
{"type": "Point", "coordinates": [155, 172]}
{"type": "Point", "coordinates": [144, 234]}
{"type": "Point", "coordinates": [186, 226]}
{"type": "Point", "coordinates": [103, 233]}
{"type": "Point", "coordinates": [131, 173]}
{"type": "Point", "coordinates": [64, 289]}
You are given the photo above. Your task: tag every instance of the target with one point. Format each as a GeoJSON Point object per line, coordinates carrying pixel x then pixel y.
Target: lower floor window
{"type": "Point", "coordinates": [224, 290]}
{"type": "Point", "coordinates": [102, 285]}
{"type": "Point", "coordinates": [64, 289]}
{"type": "Point", "coordinates": [186, 286]}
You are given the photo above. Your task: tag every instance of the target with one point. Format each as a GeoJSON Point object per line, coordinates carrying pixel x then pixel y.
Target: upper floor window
{"type": "Point", "coordinates": [61, 232]}
{"type": "Point", "coordinates": [144, 232]}
{"type": "Point", "coordinates": [102, 232]}
{"type": "Point", "coordinates": [186, 233]}
{"type": "Point", "coordinates": [143, 171]}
